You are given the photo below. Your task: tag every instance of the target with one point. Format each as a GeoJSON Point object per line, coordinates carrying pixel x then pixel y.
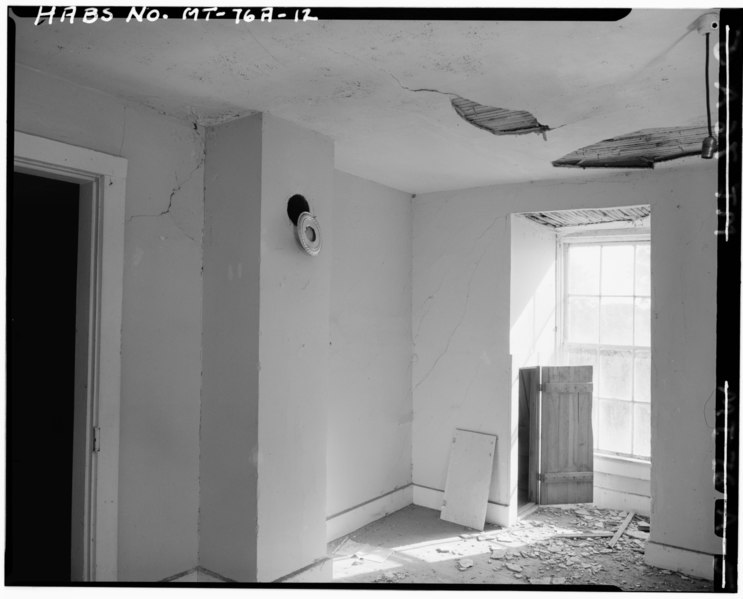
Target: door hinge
{"type": "Point", "coordinates": [96, 439]}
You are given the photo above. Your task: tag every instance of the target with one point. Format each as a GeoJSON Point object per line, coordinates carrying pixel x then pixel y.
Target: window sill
{"type": "Point", "coordinates": [621, 466]}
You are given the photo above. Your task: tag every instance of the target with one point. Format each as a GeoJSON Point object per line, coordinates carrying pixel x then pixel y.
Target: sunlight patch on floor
{"type": "Point", "coordinates": [344, 567]}
{"type": "Point", "coordinates": [439, 551]}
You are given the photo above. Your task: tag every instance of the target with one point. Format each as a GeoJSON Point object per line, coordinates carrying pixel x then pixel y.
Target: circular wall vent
{"type": "Point", "coordinates": [308, 233]}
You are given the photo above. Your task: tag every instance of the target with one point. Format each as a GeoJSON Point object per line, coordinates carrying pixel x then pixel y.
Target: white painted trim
{"type": "Point", "coordinates": [204, 575]}
{"type": "Point", "coordinates": [693, 563]}
{"type": "Point", "coordinates": [317, 572]}
{"type": "Point", "coordinates": [618, 500]}
{"type": "Point", "coordinates": [621, 483]}
{"type": "Point", "coordinates": [433, 499]}
{"type": "Point", "coordinates": [187, 576]}
{"type": "Point", "coordinates": [198, 574]}
{"type": "Point", "coordinates": [45, 157]}
{"type": "Point", "coordinates": [621, 466]}
{"type": "Point", "coordinates": [71, 163]}
{"type": "Point", "coordinates": [348, 521]}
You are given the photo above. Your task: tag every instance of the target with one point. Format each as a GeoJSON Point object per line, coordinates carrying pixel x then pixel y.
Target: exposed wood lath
{"type": "Point", "coordinates": [499, 121]}
{"type": "Point", "coordinates": [641, 149]}
{"type": "Point", "coordinates": [573, 218]}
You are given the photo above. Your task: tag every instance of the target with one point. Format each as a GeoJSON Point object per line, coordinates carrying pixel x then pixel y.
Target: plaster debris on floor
{"type": "Point", "coordinates": [552, 545]}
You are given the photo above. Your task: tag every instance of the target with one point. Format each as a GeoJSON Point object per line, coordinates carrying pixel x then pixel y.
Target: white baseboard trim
{"type": "Point", "coordinates": [677, 559]}
{"type": "Point", "coordinates": [617, 500]}
{"type": "Point", "coordinates": [433, 498]}
{"type": "Point", "coordinates": [204, 575]}
{"type": "Point", "coordinates": [197, 574]}
{"type": "Point", "coordinates": [319, 571]}
{"type": "Point", "coordinates": [347, 521]}
{"type": "Point", "coordinates": [187, 576]}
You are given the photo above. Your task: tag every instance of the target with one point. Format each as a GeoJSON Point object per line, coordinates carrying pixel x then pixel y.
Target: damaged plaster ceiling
{"type": "Point", "coordinates": [559, 219]}
{"type": "Point", "coordinates": [382, 90]}
{"type": "Point", "coordinates": [641, 149]}
{"type": "Point", "coordinates": [499, 121]}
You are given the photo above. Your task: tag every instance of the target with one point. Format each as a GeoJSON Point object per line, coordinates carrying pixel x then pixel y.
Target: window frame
{"type": "Point", "coordinates": [600, 237]}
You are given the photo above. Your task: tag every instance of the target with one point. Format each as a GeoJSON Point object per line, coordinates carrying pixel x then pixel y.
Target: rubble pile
{"type": "Point", "coordinates": [573, 545]}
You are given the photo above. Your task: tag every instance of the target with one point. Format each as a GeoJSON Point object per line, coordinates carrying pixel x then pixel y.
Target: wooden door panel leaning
{"type": "Point", "coordinates": [468, 478]}
{"type": "Point", "coordinates": [566, 436]}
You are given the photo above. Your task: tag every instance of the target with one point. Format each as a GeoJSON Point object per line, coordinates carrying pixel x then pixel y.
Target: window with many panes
{"type": "Point", "coordinates": [606, 323]}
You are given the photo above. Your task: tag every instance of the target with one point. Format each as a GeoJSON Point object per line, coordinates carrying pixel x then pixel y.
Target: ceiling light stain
{"type": "Point", "coordinates": [498, 121]}
{"type": "Point", "coordinates": [640, 149]}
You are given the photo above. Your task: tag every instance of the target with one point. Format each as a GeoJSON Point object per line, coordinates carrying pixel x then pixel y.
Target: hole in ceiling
{"type": "Point", "coordinates": [589, 216]}
{"type": "Point", "coordinates": [499, 121]}
{"type": "Point", "coordinates": [641, 149]}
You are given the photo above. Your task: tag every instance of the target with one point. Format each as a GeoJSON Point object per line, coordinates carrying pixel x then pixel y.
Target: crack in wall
{"type": "Point", "coordinates": [466, 305]}
{"type": "Point", "coordinates": [441, 284]}
{"type": "Point", "coordinates": [177, 188]}
{"type": "Point", "coordinates": [425, 303]}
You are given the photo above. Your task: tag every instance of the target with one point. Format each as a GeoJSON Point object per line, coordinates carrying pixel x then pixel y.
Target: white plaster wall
{"type": "Point", "coordinates": [684, 293]}
{"type": "Point", "coordinates": [621, 484]}
{"type": "Point", "coordinates": [369, 400]}
{"type": "Point", "coordinates": [533, 294]}
{"type": "Point", "coordinates": [294, 340]}
{"type": "Point", "coordinates": [461, 362]}
{"type": "Point", "coordinates": [461, 378]}
{"type": "Point", "coordinates": [229, 402]}
{"type": "Point", "coordinates": [161, 337]}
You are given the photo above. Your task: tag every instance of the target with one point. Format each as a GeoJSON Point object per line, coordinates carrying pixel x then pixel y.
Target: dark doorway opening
{"type": "Point", "coordinates": [41, 302]}
{"type": "Point", "coordinates": [528, 437]}
{"type": "Point", "coordinates": [524, 440]}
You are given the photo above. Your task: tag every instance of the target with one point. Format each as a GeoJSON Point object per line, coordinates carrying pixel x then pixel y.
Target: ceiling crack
{"type": "Point", "coordinates": [422, 89]}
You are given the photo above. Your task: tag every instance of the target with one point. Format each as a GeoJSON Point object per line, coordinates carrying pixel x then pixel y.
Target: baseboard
{"type": "Point", "coordinates": [197, 574]}
{"type": "Point", "coordinates": [687, 561]}
{"type": "Point", "coordinates": [186, 576]}
{"type": "Point", "coordinates": [204, 575]}
{"type": "Point", "coordinates": [318, 571]}
{"type": "Point", "coordinates": [433, 498]}
{"type": "Point", "coordinates": [351, 519]}
{"type": "Point", "coordinates": [617, 500]}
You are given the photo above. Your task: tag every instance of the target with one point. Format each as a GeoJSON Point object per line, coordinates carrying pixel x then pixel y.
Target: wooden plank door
{"type": "Point", "coordinates": [566, 437]}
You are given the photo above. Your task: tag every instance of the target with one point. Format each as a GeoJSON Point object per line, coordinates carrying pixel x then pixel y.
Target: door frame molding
{"type": "Point", "coordinates": [106, 177]}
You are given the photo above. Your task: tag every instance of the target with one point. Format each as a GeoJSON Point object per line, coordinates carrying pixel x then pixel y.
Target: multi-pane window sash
{"type": "Point", "coordinates": [606, 323]}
